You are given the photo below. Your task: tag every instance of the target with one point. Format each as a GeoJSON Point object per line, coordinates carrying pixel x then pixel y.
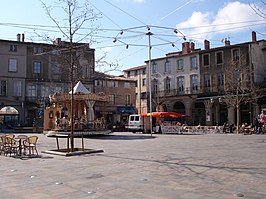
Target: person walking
{"type": "Point", "coordinates": [256, 123]}
{"type": "Point", "coordinates": [262, 118]}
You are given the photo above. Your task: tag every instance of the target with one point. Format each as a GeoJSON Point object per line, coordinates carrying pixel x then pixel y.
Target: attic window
{"type": "Point", "coordinates": [13, 48]}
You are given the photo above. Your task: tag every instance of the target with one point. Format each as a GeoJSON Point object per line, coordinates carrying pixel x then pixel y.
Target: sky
{"type": "Point", "coordinates": [119, 33]}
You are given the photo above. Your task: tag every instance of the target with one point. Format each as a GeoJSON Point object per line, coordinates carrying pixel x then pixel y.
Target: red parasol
{"type": "Point", "coordinates": [164, 114]}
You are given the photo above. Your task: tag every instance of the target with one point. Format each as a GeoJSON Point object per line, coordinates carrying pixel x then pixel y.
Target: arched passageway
{"type": "Point", "coordinates": [9, 117]}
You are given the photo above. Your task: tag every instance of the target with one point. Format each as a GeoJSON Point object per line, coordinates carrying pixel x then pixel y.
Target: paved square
{"type": "Point", "coordinates": [137, 166]}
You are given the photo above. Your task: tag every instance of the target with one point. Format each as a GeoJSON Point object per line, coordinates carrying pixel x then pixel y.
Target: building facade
{"type": "Point", "coordinates": [123, 98]}
{"type": "Point", "coordinates": [30, 72]}
{"type": "Point", "coordinates": [13, 77]}
{"type": "Point", "coordinates": [196, 82]}
{"type": "Point", "coordinates": [138, 74]}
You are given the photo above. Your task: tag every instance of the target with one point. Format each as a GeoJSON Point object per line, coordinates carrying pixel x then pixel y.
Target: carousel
{"type": "Point", "coordinates": [57, 117]}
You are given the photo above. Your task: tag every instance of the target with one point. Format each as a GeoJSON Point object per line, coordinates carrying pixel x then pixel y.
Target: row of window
{"type": "Point", "coordinates": [17, 88]}
{"type": "Point", "coordinates": [136, 72]}
{"type": "Point", "coordinates": [180, 84]}
{"type": "Point", "coordinates": [36, 50]}
{"type": "Point", "coordinates": [13, 66]}
{"type": "Point", "coordinates": [220, 80]}
{"type": "Point", "coordinates": [193, 80]}
{"type": "Point", "coordinates": [37, 67]}
{"type": "Point", "coordinates": [113, 99]}
{"type": "Point", "coordinates": [180, 65]}
{"type": "Point", "coordinates": [31, 90]}
{"type": "Point", "coordinates": [111, 83]}
{"type": "Point", "coordinates": [219, 59]}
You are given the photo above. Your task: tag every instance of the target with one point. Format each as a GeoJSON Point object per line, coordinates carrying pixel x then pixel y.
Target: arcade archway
{"type": "Point", "coordinates": [179, 107]}
{"type": "Point", "coordinates": [9, 117]}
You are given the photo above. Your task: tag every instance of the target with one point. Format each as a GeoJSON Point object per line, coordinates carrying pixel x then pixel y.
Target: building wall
{"type": "Point", "coordinates": [123, 98]}
{"type": "Point", "coordinates": [38, 81]}
{"type": "Point", "coordinates": [258, 60]}
{"type": "Point", "coordinates": [138, 74]}
{"type": "Point", "coordinates": [14, 75]}
{"type": "Point", "coordinates": [206, 105]}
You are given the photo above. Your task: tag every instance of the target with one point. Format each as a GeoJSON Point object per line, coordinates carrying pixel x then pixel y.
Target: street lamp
{"type": "Point", "coordinates": [149, 78]}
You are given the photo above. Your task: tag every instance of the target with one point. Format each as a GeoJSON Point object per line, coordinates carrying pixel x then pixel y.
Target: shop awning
{"type": "Point", "coordinates": [8, 110]}
{"type": "Point", "coordinates": [126, 109]}
{"type": "Point", "coordinates": [164, 114]}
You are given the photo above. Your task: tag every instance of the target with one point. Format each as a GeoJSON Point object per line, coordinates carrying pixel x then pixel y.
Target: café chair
{"type": "Point", "coordinates": [10, 146]}
{"type": "Point", "coordinates": [30, 144]}
{"type": "Point", "coordinates": [10, 135]}
{"type": "Point", "coordinates": [21, 139]}
{"type": "Point", "coordinates": [2, 143]}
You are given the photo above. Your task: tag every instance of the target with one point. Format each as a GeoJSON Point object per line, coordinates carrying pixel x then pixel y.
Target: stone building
{"type": "Point", "coordinates": [194, 81]}
{"type": "Point", "coordinates": [13, 63]}
{"type": "Point", "coordinates": [123, 98]}
{"type": "Point", "coordinates": [138, 74]}
{"type": "Point", "coordinates": [30, 72]}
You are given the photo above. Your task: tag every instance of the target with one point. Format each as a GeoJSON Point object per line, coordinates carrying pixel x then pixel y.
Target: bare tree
{"type": "Point", "coordinates": [239, 87]}
{"type": "Point", "coordinates": [74, 18]}
{"type": "Point", "coordinates": [259, 8]}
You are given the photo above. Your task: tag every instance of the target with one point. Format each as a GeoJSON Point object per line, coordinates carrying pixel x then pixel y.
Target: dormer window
{"type": "Point", "coordinates": [13, 48]}
{"type": "Point", "coordinates": [37, 50]}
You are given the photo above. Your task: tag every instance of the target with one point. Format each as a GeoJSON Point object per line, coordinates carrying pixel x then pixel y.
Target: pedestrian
{"type": "Point", "coordinates": [262, 118]}
{"type": "Point", "coordinates": [256, 123]}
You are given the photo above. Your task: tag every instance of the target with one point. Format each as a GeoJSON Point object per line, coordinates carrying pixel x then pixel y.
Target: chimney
{"type": "Point", "coordinates": [226, 42]}
{"type": "Point", "coordinates": [254, 36]}
{"type": "Point", "coordinates": [192, 46]}
{"type": "Point", "coordinates": [57, 42]}
{"type": "Point", "coordinates": [23, 37]}
{"type": "Point", "coordinates": [18, 37]}
{"type": "Point", "coordinates": [206, 44]}
{"type": "Point", "coordinates": [185, 48]}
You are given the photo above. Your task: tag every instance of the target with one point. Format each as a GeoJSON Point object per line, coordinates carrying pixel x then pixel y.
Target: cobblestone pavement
{"type": "Point", "coordinates": [138, 166]}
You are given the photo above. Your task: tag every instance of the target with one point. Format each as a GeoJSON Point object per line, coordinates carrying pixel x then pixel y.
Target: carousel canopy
{"type": "Point", "coordinates": [80, 88]}
{"type": "Point", "coordinates": [8, 110]}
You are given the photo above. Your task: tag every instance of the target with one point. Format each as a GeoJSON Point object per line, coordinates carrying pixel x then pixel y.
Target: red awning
{"type": "Point", "coordinates": [164, 114]}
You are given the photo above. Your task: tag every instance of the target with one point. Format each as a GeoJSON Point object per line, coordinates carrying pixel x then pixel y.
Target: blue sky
{"type": "Point", "coordinates": [195, 20]}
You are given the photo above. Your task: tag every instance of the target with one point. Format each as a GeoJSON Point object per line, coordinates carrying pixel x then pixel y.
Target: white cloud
{"type": "Point", "coordinates": [227, 19]}
{"type": "Point", "coordinates": [200, 21]}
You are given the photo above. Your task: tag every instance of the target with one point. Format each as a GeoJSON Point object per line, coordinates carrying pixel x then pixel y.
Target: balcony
{"type": "Point", "coordinates": [177, 92]}
{"type": "Point", "coordinates": [37, 100]}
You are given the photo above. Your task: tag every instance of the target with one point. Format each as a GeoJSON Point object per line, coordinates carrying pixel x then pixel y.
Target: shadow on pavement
{"type": "Point", "coordinates": [122, 137]}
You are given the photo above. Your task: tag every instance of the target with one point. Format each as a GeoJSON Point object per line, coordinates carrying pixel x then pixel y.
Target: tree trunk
{"type": "Point", "coordinates": [237, 118]}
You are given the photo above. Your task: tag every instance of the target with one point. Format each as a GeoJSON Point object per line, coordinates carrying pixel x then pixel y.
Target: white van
{"type": "Point", "coordinates": [138, 123]}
